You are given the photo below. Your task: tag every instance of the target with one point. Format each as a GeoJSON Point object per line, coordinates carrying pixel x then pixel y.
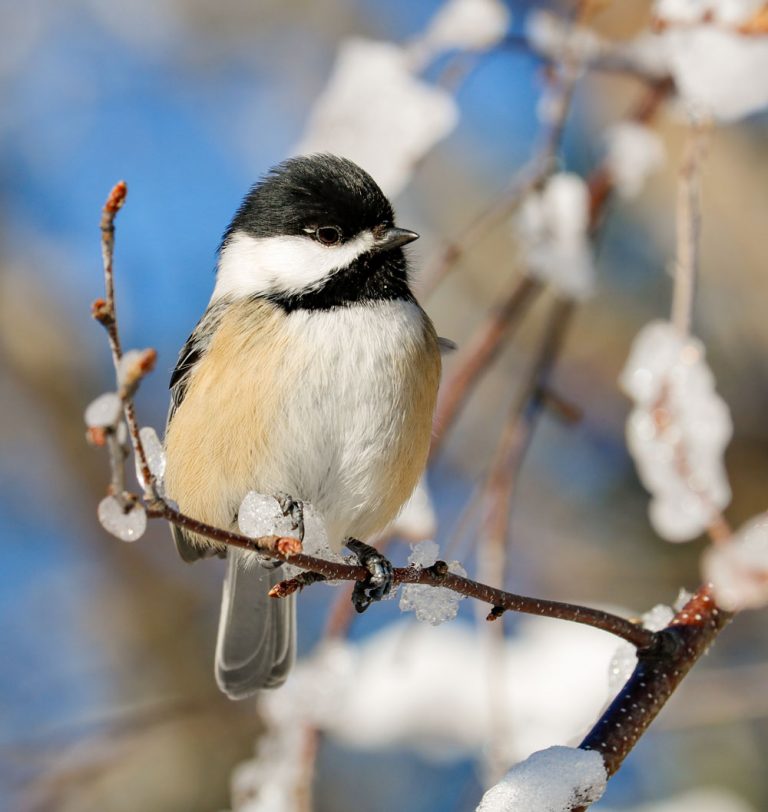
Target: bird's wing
{"type": "Point", "coordinates": [193, 350]}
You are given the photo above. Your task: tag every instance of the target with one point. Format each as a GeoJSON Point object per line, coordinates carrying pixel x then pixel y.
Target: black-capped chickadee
{"type": "Point", "coordinates": [313, 376]}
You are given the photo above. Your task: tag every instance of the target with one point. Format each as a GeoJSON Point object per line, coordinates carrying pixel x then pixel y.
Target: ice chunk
{"type": "Point", "coordinates": [104, 411]}
{"type": "Point", "coordinates": [433, 605]}
{"type": "Point", "coordinates": [553, 36]}
{"type": "Point", "coordinates": [553, 780]}
{"type": "Point", "coordinates": [126, 525]}
{"type": "Point", "coordinates": [155, 454]}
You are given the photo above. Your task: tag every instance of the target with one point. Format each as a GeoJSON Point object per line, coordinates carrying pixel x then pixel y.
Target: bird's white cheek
{"type": "Point", "coordinates": [273, 265]}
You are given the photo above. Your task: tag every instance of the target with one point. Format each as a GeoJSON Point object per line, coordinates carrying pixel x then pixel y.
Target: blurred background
{"type": "Point", "coordinates": [107, 699]}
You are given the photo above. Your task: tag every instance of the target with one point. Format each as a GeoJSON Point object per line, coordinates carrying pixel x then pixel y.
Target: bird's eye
{"type": "Point", "coordinates": [328, 235]}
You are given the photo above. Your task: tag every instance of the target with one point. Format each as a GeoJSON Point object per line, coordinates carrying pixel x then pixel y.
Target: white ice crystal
{"type": "Point", "coordinates": [470, 25]}
{"type": "Point", "coordinates": [634, 152]}
{"type": "Point", "coordinates": [552, 229]}
{"type": "Point", "coordinates": [551, 35]}
{"type": "Point", "coordinates": [375, 112]}
{"type": "Point", "coordinates": [718, 70]}
{"type": "Point", "coordinates": [678, 430]}
{"type": "Point", "coordinates": [127, 526]}
{"type": "Point", "coordinates": [553, 780]}
{"type": "Point", "coordinates": [625, 659]}
{"type": "Point", "coordinates": [430, 604]}
{"type": "Point", "coordinates": [155, 454]}
{"type": "Point", "coordinates": [260, 515]}
{"type": "Point", "coordinates": [104, 411]}
{"type": "Point", "coordinates": [416, 520]}
{"type": "Point", "coordinates": [738, 569]}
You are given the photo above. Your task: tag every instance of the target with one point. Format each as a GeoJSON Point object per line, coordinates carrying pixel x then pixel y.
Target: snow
{"type": "Point", "coordinates": [553, 780]}
{"type": "Point", "coordinates": [104, 411]}
{"type": "Point", "coordinates": [634, 152]}
{"type": "Point", "coordinates": [718, 71]}
{"type": "Point", "coordinates": [470, 25]}
{"type": "Point", "coordinates": [678, 430]}
{"type": "Point", "coordinates": [434, 605]}
{"type": "Point", "coordinates": [738, 569]}
{"type": "Point", "coordinates": [128, 526]}
{"type": "Point", "coordinates": [417, 520]}
{"type": "Point", "coordinates": [375, 112]}
{"type": "Point", "coordinates": [439, 704]}
{"type": "Point", "coordinates": [552, 229]}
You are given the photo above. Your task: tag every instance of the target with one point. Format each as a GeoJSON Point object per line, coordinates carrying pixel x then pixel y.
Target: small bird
{"type": "Point", "coordinates": [311, 376]}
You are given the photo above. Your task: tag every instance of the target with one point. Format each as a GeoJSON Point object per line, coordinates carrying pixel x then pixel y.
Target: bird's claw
{"type": "Point", "coordinates": [293, 508]}
{"type": "Point", "coordinates": [378, 584]}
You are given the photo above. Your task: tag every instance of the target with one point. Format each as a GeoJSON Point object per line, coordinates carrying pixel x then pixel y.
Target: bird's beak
{"type": "Point", "coordinates": [394, 238]}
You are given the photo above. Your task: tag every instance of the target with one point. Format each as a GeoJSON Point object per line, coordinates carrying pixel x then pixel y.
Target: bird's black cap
{"type": "Point", "coordinates": [309, 192]}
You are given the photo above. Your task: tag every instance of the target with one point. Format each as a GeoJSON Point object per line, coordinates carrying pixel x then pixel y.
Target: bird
{"type": "Point", "coordinates": [312, 376]}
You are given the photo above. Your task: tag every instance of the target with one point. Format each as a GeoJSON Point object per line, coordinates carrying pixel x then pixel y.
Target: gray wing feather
{"type": "Point", "coordinates": [256, 646]}
{"type": "Point", "coordinates": [193, 350]}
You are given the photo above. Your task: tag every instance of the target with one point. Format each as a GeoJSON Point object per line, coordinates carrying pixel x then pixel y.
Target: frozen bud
{"type": "Point", "coordinates": [133, 364]}
{"type": "Point", "coordinates": [155, 454]}
{"type": "Point", "coordinates": [104, 411]}
{"type": "Point", "coordinates": [553, 780]}
{"type": "Point", "coordinates": [430, 604]}
{"type": "Point", "coordinates": [634, 152]}
{"type": "Point", "coordinates": [467, 25]}
{"type": "Point", "coordinates": [738, 569]}
{"type": "Point", "coordinates": [375, 112]}
{"type": "Point", "coordinates": [680, 516]}
{"type": "Point", "coordinates": [127, 525]}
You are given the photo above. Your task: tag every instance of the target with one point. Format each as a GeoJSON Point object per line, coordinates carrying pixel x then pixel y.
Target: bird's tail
{"type": "Point", "coordinates": [257, 634]}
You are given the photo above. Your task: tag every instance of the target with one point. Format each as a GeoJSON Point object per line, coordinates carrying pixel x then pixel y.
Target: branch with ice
{"type": "Point", "coordinates": [677, 432]}
{"type": "Point", "coordinates": [552, 229]}
{"type": "Point", "coordinates": [433, 606]}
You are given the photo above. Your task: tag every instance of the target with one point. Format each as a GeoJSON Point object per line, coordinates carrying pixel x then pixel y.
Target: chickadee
{"type": "Point", "coordinates": [312, 376]}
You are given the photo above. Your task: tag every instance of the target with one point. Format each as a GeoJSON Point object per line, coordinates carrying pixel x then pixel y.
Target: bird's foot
{"type": "Point", "coordinates": [293, 508]}
{"type": "Point", "coordinates": [378, 583]}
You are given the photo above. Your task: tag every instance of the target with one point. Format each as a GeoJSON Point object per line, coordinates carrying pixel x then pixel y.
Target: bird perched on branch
{"type": "Point", "coordinates": [311, 376]}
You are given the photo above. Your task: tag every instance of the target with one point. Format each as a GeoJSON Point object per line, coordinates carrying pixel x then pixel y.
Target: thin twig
{"type": "Point", "coordinates": [688, 230]}
{"type": "Point", "coordinates": [516, 437]}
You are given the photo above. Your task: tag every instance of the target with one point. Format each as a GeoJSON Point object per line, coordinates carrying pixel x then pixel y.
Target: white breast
{"type": "Point", "coordinates": [339, 432]}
